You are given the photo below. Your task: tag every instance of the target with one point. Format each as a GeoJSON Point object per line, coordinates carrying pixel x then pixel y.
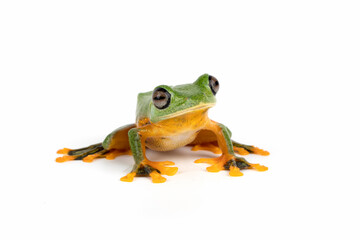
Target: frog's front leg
{"type": "Point", "coordinates": [228, 160]}
{"type": "Point", "coordinates": [143, 166]}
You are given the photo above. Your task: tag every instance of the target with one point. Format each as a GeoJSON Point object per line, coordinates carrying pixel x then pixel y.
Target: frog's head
{"type": "Point", "coordinates": [169, 102]}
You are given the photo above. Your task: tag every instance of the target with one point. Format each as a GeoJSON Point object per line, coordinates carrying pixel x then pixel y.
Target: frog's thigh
{"type": "Point", "coordinates": [206, 140]}
{"type": "Point", "coordinates": [119, 138]}
{"type": "Point", "coordinates": [117, 142]}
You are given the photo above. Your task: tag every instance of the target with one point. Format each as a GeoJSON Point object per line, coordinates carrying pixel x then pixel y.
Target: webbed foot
{"type": "Point", "coordinates": [87, 154]}
{"type": "Point", "coordinates": [239, 148]}
{"type": "Point", "coordinates": [232, 163]}
{"type": "Point", "coordinates": [90, 153]}
{"type": "Point", "coordinates": [152, 169]}
{"type": "Point", "coordinates": [207, 147]}
{"type": "Point", "coordinates": [112, 154]}
{"type": "Point", "coordinates": [243, 149]}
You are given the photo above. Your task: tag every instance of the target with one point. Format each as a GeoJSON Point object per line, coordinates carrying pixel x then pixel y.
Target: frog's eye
{"type": "Point", "coordinates": [214, 84]}
{"type": "Point", "coordinates": [161, 98]}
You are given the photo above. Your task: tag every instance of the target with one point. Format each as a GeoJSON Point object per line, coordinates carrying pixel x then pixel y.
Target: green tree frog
{"type": "Point", "coordinates": [168, 118]}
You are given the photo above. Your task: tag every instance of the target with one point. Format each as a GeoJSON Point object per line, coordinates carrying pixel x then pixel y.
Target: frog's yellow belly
{"type": "Point", "coordinates": [171, 142]}
{"type": "Point", "coordinates": [175, 132]}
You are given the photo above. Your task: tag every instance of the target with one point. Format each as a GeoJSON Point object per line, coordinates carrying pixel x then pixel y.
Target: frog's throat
{"type": "Point", "coordinates": [188, 110]}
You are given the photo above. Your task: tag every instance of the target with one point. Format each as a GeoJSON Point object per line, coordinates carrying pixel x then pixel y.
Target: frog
{"type": "Point", "coordinates": [167, 118]}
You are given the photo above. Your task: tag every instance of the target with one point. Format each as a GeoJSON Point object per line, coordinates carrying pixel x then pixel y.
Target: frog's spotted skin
{"type": "Point", "coordinates": [168, 118]}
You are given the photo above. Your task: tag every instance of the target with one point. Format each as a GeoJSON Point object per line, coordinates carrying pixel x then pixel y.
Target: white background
{"type": "Point", "coordinates": [70, 72]}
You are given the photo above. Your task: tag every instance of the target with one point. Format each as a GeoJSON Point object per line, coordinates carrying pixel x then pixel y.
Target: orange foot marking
{"type": "Point", "coordinates": [258, 167]}
{"type": "Point", "coordinates": [64, 158]}
{"type": "Point", "coordinates": [241, 151]}
{"type": "Point", "coordinates": [154, 174]}
{"type": "Point", "coordinates": [63, 151]}
{"type": "Point", "coordinates": [217, 163]}
{"type": "Point", "coordinates": [207, 147]}
{"type": "Point", "coordinates": [231, 163]}
{"type": "Point", "coordinates": [129, 177]}
{"type": "Point", "coordinates": [115, 153]}
{"type": "Point", "coordinates": [260, 151]}
{"type": "Point", "coordinates": [156, 177]}
{"type": "Point", "coordinates": [161, 166]}
{"type": "Point", "coordinates": [235, 171]}
{"type": "Point", "coordinates": [90, 158]}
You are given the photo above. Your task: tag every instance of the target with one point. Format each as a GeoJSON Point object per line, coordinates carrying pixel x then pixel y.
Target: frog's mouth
{"type": "Point", "coordinates": [188, 110]}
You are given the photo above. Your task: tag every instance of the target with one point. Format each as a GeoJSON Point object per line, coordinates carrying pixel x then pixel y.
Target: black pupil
{"type": "Point", "coordinates": [161, 98]}
{"type": "Point", "coordinates": [214, 84]}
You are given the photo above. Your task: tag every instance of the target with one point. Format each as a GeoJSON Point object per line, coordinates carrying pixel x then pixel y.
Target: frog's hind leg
{"type": "Point", "coordinates": [228, 160]}
{"type": "Point", "coordinates": [243, 149]}
{"type": "Point", "coordinates": [90, 153]}
{"type": "Point", "coordinates": [233, 164]}
{"type": "Point", "coordinates": [115, 144]}
{"type": "Point", "coordinates": [87, 154]}
{"type": "Point", "coordinates": [206, 140]}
